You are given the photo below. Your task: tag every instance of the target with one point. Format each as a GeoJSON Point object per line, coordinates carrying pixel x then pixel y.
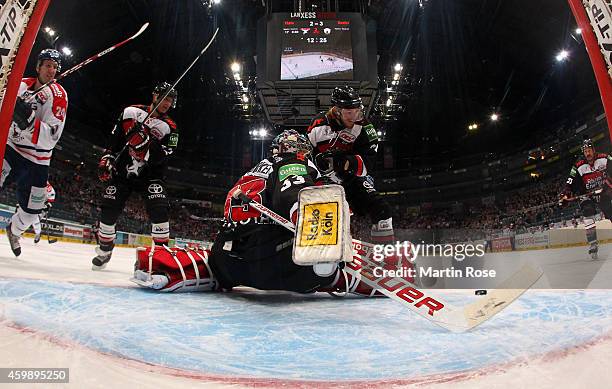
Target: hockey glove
{"type": "Point", "coordinates": [106, 167]}
{"type": "Point", "coordinates": [23, 114]}
{"type": "Point", "coordinates": [138, 142]}
{"type": "Point", "coordinates": [324, 162]}
{"type": "Point", "coordinates": [563, 197]}
{"type": "Point", "coordinates": [345, 163]}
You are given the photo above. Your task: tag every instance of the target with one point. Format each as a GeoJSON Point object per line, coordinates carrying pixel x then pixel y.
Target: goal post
{"type": "Point", "coordinates": [594, 18]}
{"type": "Point", "coordinates": [20, 21]}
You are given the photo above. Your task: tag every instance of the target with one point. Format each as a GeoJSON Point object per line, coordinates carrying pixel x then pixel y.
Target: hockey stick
{"type": "Point", "coordinates": [46, 223]}
{"type": "Point", "coordinates": [90, 59]}
{"type": "Point", "coordinates": [160, 99]}
{"type": "Point", "coordinates": [585, 196]}
{"type": "Point", "coordinates": [424, 303]}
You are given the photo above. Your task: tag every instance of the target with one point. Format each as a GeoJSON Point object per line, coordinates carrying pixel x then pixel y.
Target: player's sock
{"type": "Point", "coordinates": [382, 232]}
{"type": "Point", "coordinates": [591, 235]}
{"type": "Point", "coordinates": [160, 232]}
{"type": "Point", "coordinates": [106, 237]}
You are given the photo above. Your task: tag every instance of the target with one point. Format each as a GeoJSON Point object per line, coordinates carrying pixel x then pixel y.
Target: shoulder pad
{"type": "Point", "coordinates": [29, 81]}
{"type": "Point", "coordinates": [319, 121]}
{"type": "Point", "coordinates": [170, 122]}
{"type": "Point", "coordinates": [58, 91]}
{"type": "Point", "coordinates": [580, 162]}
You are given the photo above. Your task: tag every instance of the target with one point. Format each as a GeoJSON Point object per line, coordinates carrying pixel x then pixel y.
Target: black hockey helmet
{"type": "Point", "coordinates": [587, 143]}
{"type": "Point", "coordinates": [50, 54]}
{"type": "Point", "coordinates": [162, 88]}
{"type": "Point", "coordinates": [346, 97]}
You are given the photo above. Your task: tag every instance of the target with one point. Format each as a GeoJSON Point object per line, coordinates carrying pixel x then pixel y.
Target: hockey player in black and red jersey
{"type": "Point", "coordinates": [250, 249]}
{"type": "Point", "coordinates": [590, 177]}
{"type": "Point", "coordinates": [38, 122]}
{"type": "Point", "coordinates": [142, 168]}
{"type": "Point", "coordinates": [345, 146]}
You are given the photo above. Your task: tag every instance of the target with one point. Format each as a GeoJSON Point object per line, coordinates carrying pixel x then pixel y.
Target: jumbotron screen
{"type": "Point", "coordinates": [316, 49]}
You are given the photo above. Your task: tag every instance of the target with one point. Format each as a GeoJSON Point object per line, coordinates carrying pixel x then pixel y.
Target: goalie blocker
{"type": "Point", "coordinates": [323, 236]}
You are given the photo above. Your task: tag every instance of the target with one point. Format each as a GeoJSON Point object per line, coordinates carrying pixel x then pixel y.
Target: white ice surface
{"type": "Point", "coordinates": [54, 311]}
{"type": "Point", "coordinates": [310, 65]}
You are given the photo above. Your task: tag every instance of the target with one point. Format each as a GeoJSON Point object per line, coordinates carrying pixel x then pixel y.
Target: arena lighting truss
{"type": "Point", "coordinates": [210, 3]}
{"type": "Point", "coordinates": [393, 88]}
{"type": "Point", "coordinates": [240, 90]}
{"type": "Point", "coordinates": [52, 36]}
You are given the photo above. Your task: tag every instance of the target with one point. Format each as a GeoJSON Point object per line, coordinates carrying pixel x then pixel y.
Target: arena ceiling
{"type": "Point", "coordinates": [462, 60]}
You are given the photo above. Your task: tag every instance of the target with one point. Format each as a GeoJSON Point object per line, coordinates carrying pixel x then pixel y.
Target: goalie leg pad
{"type": "Point", "coordinates": [345, 283]}
{"type": "Point", "coordinates": [186, 270]}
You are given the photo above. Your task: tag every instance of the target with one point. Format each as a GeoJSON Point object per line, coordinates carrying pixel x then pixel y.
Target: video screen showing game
{"type": "Point", "coordinates": [316, 49]}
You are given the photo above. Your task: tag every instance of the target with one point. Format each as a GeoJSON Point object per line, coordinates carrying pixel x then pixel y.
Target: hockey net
{"type": "Point", "coordinates": [594, 17]}
{"type": "Point", "coordinates": [19, 24]}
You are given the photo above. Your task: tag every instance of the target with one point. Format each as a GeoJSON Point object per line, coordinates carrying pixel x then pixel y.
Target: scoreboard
{"type": "Point", "coordinates": [316, 49]}
{"type": "Point", "coordinates": [316, 46]}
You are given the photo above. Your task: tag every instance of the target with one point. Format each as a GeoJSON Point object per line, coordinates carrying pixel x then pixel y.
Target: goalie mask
{"type": "Point", "coordinates": [291, 141]}
{"type": "Point", "coordinates": [163, 87]}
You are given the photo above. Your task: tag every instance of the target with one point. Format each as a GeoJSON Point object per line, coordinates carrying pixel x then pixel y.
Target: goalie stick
{"type": "Point", "coordinates": [423, 302]}
{"type": "Point", "coordinates": [90, 59]}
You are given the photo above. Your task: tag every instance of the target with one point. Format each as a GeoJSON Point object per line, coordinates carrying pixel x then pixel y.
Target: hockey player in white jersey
{"type": "Point", "coordinates": [38, 122]}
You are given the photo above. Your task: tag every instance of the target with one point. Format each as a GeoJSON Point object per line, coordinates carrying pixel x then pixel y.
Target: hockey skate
{"type": "Point", "coordinates": [99, 262]}
{"type": "Point", "coordinates": [593, 251]}
{"type": "Point", "coordinates": [13, 241]}
{"type": "Point", "coordinates": [36, 238]}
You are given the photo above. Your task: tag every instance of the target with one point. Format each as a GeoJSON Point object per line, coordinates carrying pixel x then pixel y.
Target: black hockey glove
{"type": "Point", "coordinates": [106, 167]}
{"type": "Point", "coordinates": [336, 160]}
{"type": "Point", "coordinates": [324, 162]}
{"type": "Point", "coordinates": [22, 115]}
